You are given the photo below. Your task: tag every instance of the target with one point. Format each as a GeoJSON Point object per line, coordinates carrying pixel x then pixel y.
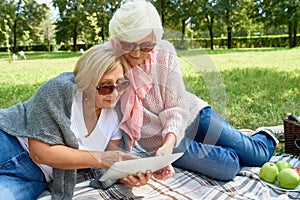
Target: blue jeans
{"type": "Point", "coordinates": [215, 149]}
{"type": "Point", "coordinates": [20, 177]}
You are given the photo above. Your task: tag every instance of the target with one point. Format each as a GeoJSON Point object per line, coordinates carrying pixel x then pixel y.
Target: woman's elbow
{"type": "Point", "coordinates": [38, 151]}
{"type": "Point", "coordinates": [36, 158]}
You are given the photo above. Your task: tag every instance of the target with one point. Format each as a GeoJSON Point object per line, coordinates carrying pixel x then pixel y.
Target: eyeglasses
{"type": "Point", "coordinates": [130, 46]}
{"type": "Point", "coordinates": [108, 89]}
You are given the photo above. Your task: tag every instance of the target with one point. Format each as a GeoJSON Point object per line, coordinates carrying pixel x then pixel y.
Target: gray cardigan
{"type": "Point", "coordinates": [46, 117]}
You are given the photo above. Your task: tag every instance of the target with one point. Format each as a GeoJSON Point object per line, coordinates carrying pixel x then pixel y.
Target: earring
{"type": "Point", "coordinates": [85, 97]}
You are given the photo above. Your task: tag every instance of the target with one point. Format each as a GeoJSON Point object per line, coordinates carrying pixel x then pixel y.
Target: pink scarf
{"type": "Point", "coordinates": [131, 104]}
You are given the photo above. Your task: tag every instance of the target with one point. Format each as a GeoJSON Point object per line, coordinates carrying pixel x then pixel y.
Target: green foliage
{"type": "Point", "coordinates": [276, 13]}
{"type": "Point", "coordinates": [236, 42]}
{"type": "Point", "coordinates": [86, 21]}
{"type": "Point", "coordinates": [83, 20]}
{"type": "Point", "coordinates": [19, 21]}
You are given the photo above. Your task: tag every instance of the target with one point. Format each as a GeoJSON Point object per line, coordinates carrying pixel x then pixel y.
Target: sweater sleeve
{"type": "Point", "coordinates": [175, 114]}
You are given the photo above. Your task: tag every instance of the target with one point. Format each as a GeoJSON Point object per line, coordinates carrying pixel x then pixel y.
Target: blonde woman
{"type": "Point", "coordinates": [69, 124]}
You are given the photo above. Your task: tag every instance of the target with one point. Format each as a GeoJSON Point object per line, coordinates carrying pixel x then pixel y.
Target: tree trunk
{"type": "Point", "coordinates": [75, 39]}
{"type": "Point", "coordinates": [182, 34]}
{"type": "Point", "coordinates": [210, 29]}
{"type": "Point", "coordinates": [295, 38]}
{"type": "Point", "coordinates": [75, 32]}
{"type": "Point", "coordinates": [162, 12]}
{"type": "Point", "coordinates": [15, 37]}
{"type": "Point", "coordinates": [15, 26]}
{"type": "Point", "coordinates": [290, 27]}
{"type": "Point", "coordinates": [102, 33]}
{"type": "Point", "coordinates": [48, 44]}
{"type": "Point", "coordinates": [229, 26]}
{"type": "Point", "coordinates": [229, 35]}
{"type": "Point", "coordinates": [295, 33]}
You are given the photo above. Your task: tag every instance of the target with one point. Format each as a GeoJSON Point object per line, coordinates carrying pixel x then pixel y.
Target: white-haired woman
{"type": "Point", "coordinates": [69, 124]}
{"type": "Point", "coordinates": [162, 116]}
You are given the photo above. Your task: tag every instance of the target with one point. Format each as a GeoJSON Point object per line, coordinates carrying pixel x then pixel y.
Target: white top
{"type": "Point", "coordinates": [107, 128]}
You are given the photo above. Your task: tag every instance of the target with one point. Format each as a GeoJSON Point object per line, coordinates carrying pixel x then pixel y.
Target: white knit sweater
{"type": "Point", "coordinates": [168, 107]}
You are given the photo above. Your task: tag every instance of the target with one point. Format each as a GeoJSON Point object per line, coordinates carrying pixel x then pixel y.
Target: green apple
{"type": "Point", "coordinates": [288, 178]}
{"type": "Point", "coordinates": [269, 172]}
{"type": "Point", "coordinates": [282, 164]}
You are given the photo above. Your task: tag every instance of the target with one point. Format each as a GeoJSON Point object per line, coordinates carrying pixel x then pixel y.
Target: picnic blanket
{"type": "Point", "coordinates": [187, 185]}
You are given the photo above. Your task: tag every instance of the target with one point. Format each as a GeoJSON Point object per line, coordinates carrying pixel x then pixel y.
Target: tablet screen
{"type": "Point", "coordinates": [123, 168]}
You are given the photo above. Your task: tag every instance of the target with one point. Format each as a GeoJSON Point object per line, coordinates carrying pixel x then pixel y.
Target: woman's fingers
{"type": "Point", "coordinates": [144, 177]}
{"type": "Point", "coordinates": [164, 173]}
{"type": "Point", "coordinates": [137, 180]}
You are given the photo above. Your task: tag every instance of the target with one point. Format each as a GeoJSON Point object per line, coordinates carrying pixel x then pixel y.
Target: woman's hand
{"type": "Point", "coordinates": [164, 173]}
{"type": "Point", "coordinates": [167, 147]}
{"type": "Point", "coordinates": [136, 180]}
{"type": "Point", "coordinates": [108, 158]}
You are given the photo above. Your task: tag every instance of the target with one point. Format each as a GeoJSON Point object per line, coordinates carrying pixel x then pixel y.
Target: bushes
{"type": "Point", "coordinates": [40, 47]}
{"type": "Point", "coordinates": [188, 43]}
{"type": "Point", "coordinates": [237, 42]}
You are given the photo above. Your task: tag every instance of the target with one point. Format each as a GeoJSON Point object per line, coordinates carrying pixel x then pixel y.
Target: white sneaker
{"type": "Point", "coordinates": [273, 131]}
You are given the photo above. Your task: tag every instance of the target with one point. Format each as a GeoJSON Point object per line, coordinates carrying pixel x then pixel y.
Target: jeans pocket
{"type": "Point", "coordinates": [7, 165]}
{"type": "Point", "coordinates": [13, 162]}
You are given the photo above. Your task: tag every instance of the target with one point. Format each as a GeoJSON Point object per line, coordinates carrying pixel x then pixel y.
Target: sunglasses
{"type": "Point", "coordinates": [131, 46]}
{"type": "Point", "coordinates": [108, 89]}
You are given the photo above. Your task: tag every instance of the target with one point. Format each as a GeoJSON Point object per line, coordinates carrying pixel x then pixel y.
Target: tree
{"type": "Point", "coordinates": [277, 13]}
{"type": "Point", "coordinates": [6, 11]}
{"type": "Point", "coordinates": [207, 10]}
{"type": "Point", "coordinates": [20, 19]}
{"type": "Point", "coordinates": [227, 13]}
{"type": "Point", "coordinates": [70, 24]}
{"type": "Point", "coordinates": [99, 13]}
{"type": "Point", "coordinates": [46, 31]}
{"type": "Point", "coordinates": [176, 15]}
{"type": "Point", "coordinates": [291, 14]}
{"type": "Point", "coordinates": [84, 19]}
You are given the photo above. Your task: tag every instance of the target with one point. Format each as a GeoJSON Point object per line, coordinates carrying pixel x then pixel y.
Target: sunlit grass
{"type": "Point", "coordinates": [20, 79]}
{"type": "Point", "coordinates": [259, 85]}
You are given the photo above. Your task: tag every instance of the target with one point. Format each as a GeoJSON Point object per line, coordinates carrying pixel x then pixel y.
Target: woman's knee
{"type": "Point", "coordinates": [219, 167]}
{"type": "Point", "coordinates": [229, 168]}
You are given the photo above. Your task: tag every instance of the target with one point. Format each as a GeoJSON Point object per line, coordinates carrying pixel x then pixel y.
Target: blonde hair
{"type": "Point", "coordinates": [135, 20]}
{"type": "Point", "coordinates": [94, 63]}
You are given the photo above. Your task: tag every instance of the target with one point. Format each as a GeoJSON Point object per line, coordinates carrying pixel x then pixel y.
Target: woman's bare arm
{"type": "Point", "coordinates": [63, 157]}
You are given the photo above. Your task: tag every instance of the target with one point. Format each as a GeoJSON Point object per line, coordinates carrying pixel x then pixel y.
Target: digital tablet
{"type": "Point", "coordinates": [123, 168]}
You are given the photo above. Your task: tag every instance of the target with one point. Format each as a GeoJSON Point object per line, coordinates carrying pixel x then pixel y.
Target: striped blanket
{"type": "Point", "coordinates": [185, 185]}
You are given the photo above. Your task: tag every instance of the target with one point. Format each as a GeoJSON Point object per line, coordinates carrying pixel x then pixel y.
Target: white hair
{"type": "Point", "coordinates": [135, 20]}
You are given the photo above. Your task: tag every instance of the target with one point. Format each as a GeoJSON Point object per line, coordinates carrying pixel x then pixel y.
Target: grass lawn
{"type": "Point", "coordinates": [19, 80]}
{"type": "Point", "coordinates": [248, 87]}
